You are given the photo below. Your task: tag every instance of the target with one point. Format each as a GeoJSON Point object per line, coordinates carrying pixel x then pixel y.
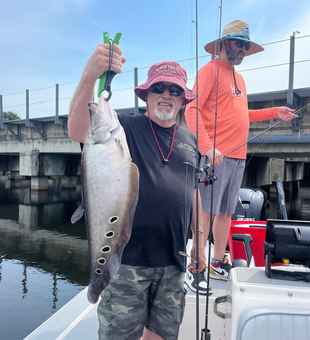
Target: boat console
{"type": "Point", "coordinates": [287, 242]}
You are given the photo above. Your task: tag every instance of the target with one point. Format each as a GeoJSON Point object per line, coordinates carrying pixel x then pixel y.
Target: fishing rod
{"type": "Point", "coordinates": [211, 178]}
{"type": "Point", "coordinates": [206, 333]}
{"type": "Point", "coordinates": [209, 165]}
{"type": "Point", "coordinates": [196, 261]}
{"type": "Point", "coordinates": [270, 127]}
{"type": "Point", "coordinates": [196, 179]}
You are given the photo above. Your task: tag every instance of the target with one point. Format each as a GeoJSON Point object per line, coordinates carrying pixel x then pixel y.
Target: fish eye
{"type": "Point", "coordinates": [113, 219]}
{"type": "Point", "coordinates": [101, 261]}
{"type": "Point", "coordinates": [105, 249]}
{"type": "Point", "coordinates": [109, 234]}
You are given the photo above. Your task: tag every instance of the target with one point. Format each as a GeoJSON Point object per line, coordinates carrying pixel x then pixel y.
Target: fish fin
{"type": "Point", "coordinates": [78, 214]}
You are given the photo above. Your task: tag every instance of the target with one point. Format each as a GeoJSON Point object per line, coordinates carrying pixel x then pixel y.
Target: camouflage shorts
{"type": "Point", "coordinates": [139, 297]}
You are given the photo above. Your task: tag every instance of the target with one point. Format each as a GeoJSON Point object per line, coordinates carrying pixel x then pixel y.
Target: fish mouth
{"type": "Point", "coordinates": [90, 104]}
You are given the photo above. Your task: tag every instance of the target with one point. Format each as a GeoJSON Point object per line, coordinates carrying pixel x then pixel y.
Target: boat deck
{"type": "Point", "coordinates": [78, 318]}
{"type": "Point", "coordinates": [250, 292]}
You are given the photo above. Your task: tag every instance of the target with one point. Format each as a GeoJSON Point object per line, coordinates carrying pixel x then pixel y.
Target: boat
{"type": "Point", "coordinates": [267, 297]}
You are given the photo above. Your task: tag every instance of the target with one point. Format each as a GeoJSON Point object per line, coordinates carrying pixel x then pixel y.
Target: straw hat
{"type": "Point", "coordinates": [237, 29]}
{"type": "Point", "coordinates": [169, 71]}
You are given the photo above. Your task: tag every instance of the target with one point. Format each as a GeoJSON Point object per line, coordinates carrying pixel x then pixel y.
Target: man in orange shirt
{"type": "Point", "coordinates": [233, 118]}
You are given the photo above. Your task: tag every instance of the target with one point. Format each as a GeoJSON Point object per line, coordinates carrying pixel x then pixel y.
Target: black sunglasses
{"type": "Point", "coordinates": [160, 88]}
{"type": "Point", "coordinates": [241, 44]}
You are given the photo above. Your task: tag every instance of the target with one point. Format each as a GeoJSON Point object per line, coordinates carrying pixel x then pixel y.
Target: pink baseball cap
{"type": "Point", "coordinates": [169, 71]}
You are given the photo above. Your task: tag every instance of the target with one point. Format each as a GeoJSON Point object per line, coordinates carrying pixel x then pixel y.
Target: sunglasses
{"type": "Point", "coordinates": [160, 88]}
{"type": "Point", "coordinates": [241, 44]}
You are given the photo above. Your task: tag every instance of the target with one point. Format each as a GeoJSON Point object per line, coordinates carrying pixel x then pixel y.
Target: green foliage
{"type": "Point", "coordinates": [10, 116]}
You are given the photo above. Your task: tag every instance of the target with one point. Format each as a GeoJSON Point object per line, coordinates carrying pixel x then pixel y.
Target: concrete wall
{"type": "Point", "coordinates": [57, 140]}
{"type": "Point", "coordinates": [280, 129]}
{"type": "Point", "coordinates": [32, 163]}
{"type": "Point", "coordinates": [59, 156]}
{"type": "Point", "coordinates": [262, 171]}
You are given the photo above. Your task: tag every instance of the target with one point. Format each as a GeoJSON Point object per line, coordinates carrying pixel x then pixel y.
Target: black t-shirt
{"type": "Point", "coordinates": [164, 210]}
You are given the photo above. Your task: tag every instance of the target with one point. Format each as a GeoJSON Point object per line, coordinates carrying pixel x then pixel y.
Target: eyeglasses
{"type": "Point", "coordinates": [241, 44]}
{"type": "Point", "coordinates": [160, 88]}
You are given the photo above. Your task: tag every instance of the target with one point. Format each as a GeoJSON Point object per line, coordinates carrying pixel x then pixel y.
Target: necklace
{"type": "Point", "coordinates": [165, 159]}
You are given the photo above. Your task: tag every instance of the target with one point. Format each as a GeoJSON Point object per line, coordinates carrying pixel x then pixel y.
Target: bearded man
{"type": "Point", "coordinates": [224, 92]}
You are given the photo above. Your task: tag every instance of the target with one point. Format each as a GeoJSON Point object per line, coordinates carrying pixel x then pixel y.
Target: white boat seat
{"type": "Point", "coordinates": [274, 324]}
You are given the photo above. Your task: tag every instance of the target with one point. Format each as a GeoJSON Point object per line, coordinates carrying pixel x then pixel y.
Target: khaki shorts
{"type": "Point", "coordinates": [225, 188]}
{"type": "Point", "coordinates": [139, 297]}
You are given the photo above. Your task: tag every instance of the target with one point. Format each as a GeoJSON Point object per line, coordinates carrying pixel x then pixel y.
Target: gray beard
{"type": "Point", "coordinates": [164, 114]}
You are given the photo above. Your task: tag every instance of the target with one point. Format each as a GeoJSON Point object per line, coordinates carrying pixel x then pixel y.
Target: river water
{"type": "Point", "coordinates": [44, 258]}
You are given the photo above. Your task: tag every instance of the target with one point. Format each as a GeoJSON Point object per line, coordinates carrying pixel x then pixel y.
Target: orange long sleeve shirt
{"type": "Point", "coordinates": [233, 115]}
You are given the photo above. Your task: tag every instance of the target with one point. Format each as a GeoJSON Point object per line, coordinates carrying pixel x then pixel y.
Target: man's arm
{"type": "Point", "coordinates": [282, 112]}
{"type": "Point", "coordinates": [97, 64]}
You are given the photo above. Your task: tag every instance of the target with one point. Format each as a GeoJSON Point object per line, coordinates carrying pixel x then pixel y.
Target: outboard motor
{"type": "Point", "coordinates": [252, 205]}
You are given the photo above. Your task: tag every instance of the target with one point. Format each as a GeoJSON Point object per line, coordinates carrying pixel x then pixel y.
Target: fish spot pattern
{"type": "Point", "coordinates": [102, 261]}
{"type": "Point", "coordinates": [109, 234]}
{"type": "Point", "coordinates": [113, 219]}
{"type": "Point", "coordinates": [105, 249]}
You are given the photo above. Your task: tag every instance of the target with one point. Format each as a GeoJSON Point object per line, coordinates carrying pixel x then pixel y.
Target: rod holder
{"type": "Point", "coordinates": [205, 335]}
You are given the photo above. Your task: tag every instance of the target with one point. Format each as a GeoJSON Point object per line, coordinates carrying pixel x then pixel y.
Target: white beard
{"type": "Point", "coordinates": [164, 114]}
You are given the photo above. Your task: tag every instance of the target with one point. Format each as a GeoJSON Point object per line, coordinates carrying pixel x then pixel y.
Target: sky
{"type": "Point", "coordinates": [44, 43]}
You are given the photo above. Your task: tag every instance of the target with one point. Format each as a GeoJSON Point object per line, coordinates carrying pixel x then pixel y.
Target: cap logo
{"type": "Point", "coordinates": [246, 31]}
{"type": "Point", "coordinates": [167, 68]}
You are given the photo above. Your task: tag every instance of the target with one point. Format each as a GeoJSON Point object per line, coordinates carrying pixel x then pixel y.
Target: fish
{"type": "Point", "coordinates": [110, 192]}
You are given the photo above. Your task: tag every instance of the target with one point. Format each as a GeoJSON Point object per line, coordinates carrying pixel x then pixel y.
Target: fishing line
{"type": "Point", "coordinates": [281, 121]}
{"type": "Point", "coordinates": [259, 145]}
{"type": "Point", "coordinates": [263, 142]}
{"type": "Point", "coordinates": [270, 127]}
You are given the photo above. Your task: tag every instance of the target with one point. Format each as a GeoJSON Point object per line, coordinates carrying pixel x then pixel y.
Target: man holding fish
{"type": "Point", "coordinates": [146, 296]}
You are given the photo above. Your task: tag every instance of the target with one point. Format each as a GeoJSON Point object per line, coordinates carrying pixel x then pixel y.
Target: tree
{"type": "Point", "coordinates": [10, 116]}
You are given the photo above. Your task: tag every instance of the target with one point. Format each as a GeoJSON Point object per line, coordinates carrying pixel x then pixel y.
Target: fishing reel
{"type": "Point", "coordinates": [209, 177]}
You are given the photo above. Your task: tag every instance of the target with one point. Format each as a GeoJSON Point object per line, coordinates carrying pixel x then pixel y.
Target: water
{"type": "Point", "coordinates": [44, 258]}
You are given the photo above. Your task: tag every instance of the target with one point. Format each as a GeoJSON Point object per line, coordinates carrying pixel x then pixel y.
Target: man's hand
{"type": "Point", "coordinates": [286, 113]}
{"type": "Point", "coordinates": [98, 63]}
{"type": "Point", "coordinates": [218, 157]}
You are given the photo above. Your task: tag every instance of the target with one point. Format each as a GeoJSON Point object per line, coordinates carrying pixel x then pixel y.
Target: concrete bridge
{"type": "Point", "coordinates": [283, 151]}
{"type": "Point", "coordinates": [40, 149]}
